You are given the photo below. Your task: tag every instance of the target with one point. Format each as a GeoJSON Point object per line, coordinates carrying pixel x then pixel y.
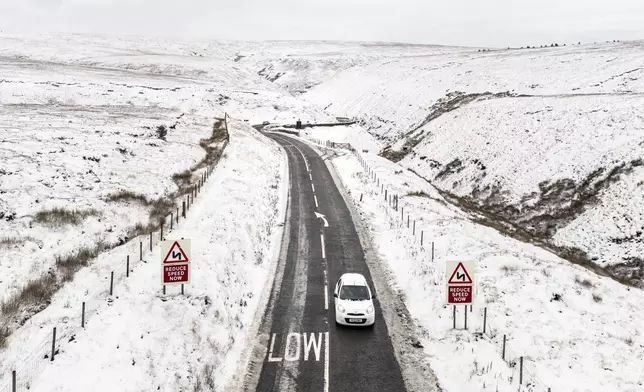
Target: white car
{"type": "Point", "coordinates": [353, 301]}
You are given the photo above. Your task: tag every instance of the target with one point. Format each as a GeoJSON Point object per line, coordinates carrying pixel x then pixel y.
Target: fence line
{"type": "Point", "coordinates": [402, 220]}
{"type": "Point", "coordinates": [27, 367]}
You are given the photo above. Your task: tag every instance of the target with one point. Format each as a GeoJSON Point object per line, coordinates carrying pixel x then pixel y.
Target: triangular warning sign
{"type": "Point", "coordinates": [460, 275]}
{"type": "Point", "coordinates": [176, 254]}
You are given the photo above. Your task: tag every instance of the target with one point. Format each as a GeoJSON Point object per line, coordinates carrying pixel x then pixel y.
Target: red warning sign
{"type": "Point", "coordinates": [175, 254]}
{"type": "Point", "coordinates": [458, 294]}
{"type": "Point", "coordinates": [460, 275]}
{"type": "Point", "coordinates": [179, 273]}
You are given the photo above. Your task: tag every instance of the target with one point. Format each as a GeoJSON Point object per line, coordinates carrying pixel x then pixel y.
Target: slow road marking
{"type": "Point", "coordinates": [299, 346]}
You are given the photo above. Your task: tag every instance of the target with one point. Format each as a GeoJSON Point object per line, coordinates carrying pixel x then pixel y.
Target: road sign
{"type": "Point", "coordinates": [175, 261]}
{"type": "Point", "coordinates": [175, 251]}
{"type": "Point", "coordinates": [176, 273]}
{"type": "Point", "coordinates": [460, 280]}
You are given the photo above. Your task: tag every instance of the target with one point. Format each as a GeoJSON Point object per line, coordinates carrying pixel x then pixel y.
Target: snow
{"type": "Point", "coordinates": [233, 226]}
{"type": "Point", "coordinates": [576, 344]}
{"type": "Point", "coordinates": [570, 112]}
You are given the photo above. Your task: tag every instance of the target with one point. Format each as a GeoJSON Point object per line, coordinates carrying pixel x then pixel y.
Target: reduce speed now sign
{"type": "Point", "coordinates": [175, 261]}
{"type": "Point", "coordinates": [460, 280]}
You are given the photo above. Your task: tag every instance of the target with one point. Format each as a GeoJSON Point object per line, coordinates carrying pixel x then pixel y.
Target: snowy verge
{"type": "Point", "coordinates": [184, 341]}
{"type": "Point", "coordinates": [533, 297]}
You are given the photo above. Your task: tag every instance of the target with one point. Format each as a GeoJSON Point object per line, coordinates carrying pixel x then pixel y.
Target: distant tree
{"type": "Point", "coordinates": [556, 44]}
{"type": "Point", "coordinates": [579, 43]}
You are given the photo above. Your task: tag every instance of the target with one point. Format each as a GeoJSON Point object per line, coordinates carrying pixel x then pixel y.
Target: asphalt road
{"type": "Point", "coordinates": [306, 350]}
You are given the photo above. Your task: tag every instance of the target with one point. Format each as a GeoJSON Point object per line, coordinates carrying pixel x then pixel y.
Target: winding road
{"type": "Point", "coordinates": [302, 348]}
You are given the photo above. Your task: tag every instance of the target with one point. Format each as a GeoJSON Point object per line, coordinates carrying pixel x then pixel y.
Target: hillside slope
{"type": "Point", "coordinates": [547, 144]}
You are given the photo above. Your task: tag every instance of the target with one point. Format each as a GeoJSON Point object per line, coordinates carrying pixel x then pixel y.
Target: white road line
{"type": "Point", "coordinates": [323, 251]}
{"type": "Point", "coordinates": [326, 362]}
{"type": "Point", "coordinates": [313, 187]}
{"type": "Point", "coordinates": [326, 297]}
{"type": "Point", "coordinates": [310, 177]}
{"type": "Point", "coordinates": [316, 201]}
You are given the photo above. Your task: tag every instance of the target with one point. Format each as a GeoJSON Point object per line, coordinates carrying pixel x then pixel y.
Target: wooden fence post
{"type": "Point", "coordinates": [140, 250]}
{"type": "Point", "coordinates": [127, 267]}
{"type": "Point", "coordinates": [53, 345]}
{"type": "Point", "coordinates": [111, 283]}
{"type": "Point", "coordinates": [14, 385]}
{"type": "Point", "coordinates": [484, 318]}
{"type": "Point", "coordinates": [520, 370]}
{"type": "Point", "coordinates": [150, 241]}
{"type": "Point", "coordinates": [503, 352]}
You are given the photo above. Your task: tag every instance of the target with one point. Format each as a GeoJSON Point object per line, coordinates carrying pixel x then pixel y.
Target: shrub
{"type": "Point", "coordinates": [162, 132]}
{"type": "Point", "coordinates": [597, 298]}
{"type": "Point", "coordinates": [418, 193]}
{"type": "Point", "coordinates": [37, 292]}
{"type": "Point", "coordinates": [125, 195]}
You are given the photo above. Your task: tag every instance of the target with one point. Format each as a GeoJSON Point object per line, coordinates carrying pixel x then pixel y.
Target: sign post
{"type": "Point", "coordinates": [459, 278]}
{"type": "Point", "coordinates": [175, 262]}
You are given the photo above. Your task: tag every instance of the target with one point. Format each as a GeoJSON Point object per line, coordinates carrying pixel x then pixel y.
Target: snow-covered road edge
{"type": "Point", "coordinates": [245, 371]}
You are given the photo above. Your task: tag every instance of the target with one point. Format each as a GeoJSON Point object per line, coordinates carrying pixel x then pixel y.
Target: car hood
{"type": "Point", "coordinates": [355, 306]}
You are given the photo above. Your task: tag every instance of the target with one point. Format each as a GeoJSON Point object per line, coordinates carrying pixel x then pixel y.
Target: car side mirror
{"type": "Point", "coordinates": [335, 295]}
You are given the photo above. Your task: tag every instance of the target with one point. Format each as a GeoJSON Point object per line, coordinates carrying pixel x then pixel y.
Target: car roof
{"type": "Point", "coordinates": [354, 279]}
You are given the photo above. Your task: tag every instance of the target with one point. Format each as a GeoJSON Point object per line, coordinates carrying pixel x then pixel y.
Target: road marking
{"type": "Point", "coordinates": [316, 345]}
{"type": "Point", "coordinates": [326, 363]}
{"type": "Point", "coordinates": [323, 250]}
{"type": "Point", "coordinates": [313, 187]}
{"type": "Point", "coordinates": [316, 201]}
{"type": "Point", "coordinates": [296, 343]}
{"type": "Point", "coordinates": [287, 355]}
{"type": "Point", "coordinates": [310, 176]}
{"type": "Point", "coordinates": [326, 296]}
{"type": "Point", "coordinates": [270, 351]}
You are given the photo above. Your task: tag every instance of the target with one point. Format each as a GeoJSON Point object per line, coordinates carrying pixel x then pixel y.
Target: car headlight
{"type": "Point", "coordinates": [370, 310]}
{"type": "Point", "coordinates": [340, 308]}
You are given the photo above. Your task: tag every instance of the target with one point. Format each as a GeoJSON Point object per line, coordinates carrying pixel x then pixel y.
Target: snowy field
{"type": "Point", "coordinates": [235, 233]}
{"type": "Point", "coordinates": [550, 139]}
{"type": "Point", "coordinates": [79, 124]}
{"type": "Point", "coordinates": [589, 339]}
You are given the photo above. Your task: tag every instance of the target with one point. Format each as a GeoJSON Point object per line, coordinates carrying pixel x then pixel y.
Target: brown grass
{"type": "Point", "coordinates": [597, 298]}
{"type": "Point", "coordinates": [508, 269]}
{"type": "Point", "coordinates": [37, 292]}
{"type": "Point", "coordinates": [78, 259]}
{"type": "Point", "coordinates": [4, 334]}
{"type": "Point", "coordinates": [417, 193]}
{"type": "Point", "coordinates": [584, 283]}
{"type": "Point", "coordinates": [59, 216]}
{"type": "Point", "coordinates": [127, 196]}
{"type": "Point", "coordinates": [12, 241]}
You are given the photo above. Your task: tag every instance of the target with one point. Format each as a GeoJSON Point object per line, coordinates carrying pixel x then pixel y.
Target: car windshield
{"type": "Point", "coordinates": [354, 293]}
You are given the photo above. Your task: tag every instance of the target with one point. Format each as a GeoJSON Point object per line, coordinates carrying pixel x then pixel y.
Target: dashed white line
{"type": "Point", "coordinates": [323, 250]}
{"type": "Point", "coordinates": [326, 297]}
{"type": "Point", "coordinates": [316, 201]}
{"type": "Point", "coordinates": [326, 362]}
{"type": "Point", "coordinates": [310, 177]}
{"type": "Point", "coordinates": [313, 187]}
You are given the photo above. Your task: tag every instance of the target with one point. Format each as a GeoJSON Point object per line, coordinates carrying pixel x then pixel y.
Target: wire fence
{"type": "Point", "coordinates": [410, 229]}
{"type": "Point", "coordinates": [21, 372]}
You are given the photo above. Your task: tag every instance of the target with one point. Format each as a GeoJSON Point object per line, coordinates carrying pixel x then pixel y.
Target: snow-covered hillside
{"type": "Point", "coordinates": [297, 67]}
{"type": "Point", "coordinates": [550, 140]}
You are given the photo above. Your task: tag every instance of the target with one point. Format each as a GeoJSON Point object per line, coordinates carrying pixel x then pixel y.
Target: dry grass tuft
{"type": "Point", "coordinates": [508, 269]}
{"type": "Point", "coordinates": [125, 195]}
{"type": "Point", "coordinates": [12, 241]}
{"type": "Point", "coordinates": [584, 283]}
{"type": "Point", "coordinates": [597, 298]}
{"type": "Point", "coordinates": [59, 216]}
{"type": "Point", "coordinates": [37, 292]}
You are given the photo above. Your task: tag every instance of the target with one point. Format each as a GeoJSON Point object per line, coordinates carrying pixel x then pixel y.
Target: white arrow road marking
{"type": "Point", "coordinates": [321, 216]}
